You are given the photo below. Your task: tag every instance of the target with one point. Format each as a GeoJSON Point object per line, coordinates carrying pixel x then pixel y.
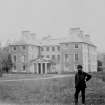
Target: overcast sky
{"type": "Point", "coordinates": [53, 17]}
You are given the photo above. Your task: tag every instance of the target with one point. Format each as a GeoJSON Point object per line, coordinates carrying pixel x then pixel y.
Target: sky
{"type": "Point", "coordinates": [53, 17]}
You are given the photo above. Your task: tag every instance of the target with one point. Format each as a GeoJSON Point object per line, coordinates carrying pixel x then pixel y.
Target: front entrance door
{"type": "Point", "coordinates": [39, 69]}
{"type": "Point", "coordinates": [43, 68]}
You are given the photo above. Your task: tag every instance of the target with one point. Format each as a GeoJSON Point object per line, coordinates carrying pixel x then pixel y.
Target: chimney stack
{"type": "Point", "coordinates": [33, 36]}
{"type": "Point", "coordinates": [87, 37]}
{"type": "Point", "coordinates": [25, 35]}
{"type": "Point", "coordinates": [77, 32]}
{"type": "Point", "coordinates": [74, 30]}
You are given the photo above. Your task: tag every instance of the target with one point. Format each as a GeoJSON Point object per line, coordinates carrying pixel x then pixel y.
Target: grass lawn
{"type": "Point", "coordinates": [59, 90]}
{"type": "Point", "coordinates": [100, 75]}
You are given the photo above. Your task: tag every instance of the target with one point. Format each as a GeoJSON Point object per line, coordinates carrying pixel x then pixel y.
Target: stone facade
{"type": "Point", "coordinates": [54, 55]}
{"type": "Point", "coordinates": [22, 55]}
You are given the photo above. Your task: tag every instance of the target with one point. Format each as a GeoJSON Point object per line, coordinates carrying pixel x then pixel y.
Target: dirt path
{"type": "Point", "coordinates": [42, 78]}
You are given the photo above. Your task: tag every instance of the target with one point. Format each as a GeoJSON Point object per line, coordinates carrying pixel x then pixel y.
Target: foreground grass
{"type": "Point", "coordinates": [51, 91]}
{"type": "Point", "coordinates": [100, 75]}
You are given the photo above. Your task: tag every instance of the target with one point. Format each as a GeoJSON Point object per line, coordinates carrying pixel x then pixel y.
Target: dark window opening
{"type": "Point", "coordinates": [58, 57]}
{"type": "Point", "coordinates": [58, 48]}
{"type": "Point", "coordinates": [76, 45]}
{"type": "Point", "coordinates": [24, 47]}
{"type": "Point", "coordinates": [53, 48]}
{"type": "Point", "coordinates": [24, 67]}
{"type": "Point", "coordinates": [47, 56]}
{"type": "Point", "coordinates": [53, 57]}
{"type": "Point", "coordinates": [14, 48]}
{"type": "Point", "coordinates": [14, 67]}
{"type": "Point", "coordinates": [42, 49]}
{"type": "Point", "coordinates": [14, 58]}
{"type": "Point", "coordinates": [47, 48]}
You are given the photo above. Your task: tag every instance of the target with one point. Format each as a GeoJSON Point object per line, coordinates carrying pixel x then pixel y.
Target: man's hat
{"type": "Point", "coordinates": [79, 66]}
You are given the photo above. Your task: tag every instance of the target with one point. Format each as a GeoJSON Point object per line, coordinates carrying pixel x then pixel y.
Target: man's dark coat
{"type": "Point", "coordinates": [81, 78]}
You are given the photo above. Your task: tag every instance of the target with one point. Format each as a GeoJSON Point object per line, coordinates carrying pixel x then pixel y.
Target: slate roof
{"type": "Point", "coordinates": [25, 42]}
{"type": "Point", "coordinates": [75, 35]}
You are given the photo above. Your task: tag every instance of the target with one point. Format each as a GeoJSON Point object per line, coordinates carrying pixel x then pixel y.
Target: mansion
{"type": "Point", "coordinates": [50, 55]}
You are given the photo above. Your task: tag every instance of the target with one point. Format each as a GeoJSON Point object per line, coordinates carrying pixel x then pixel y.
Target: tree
{"type": "Point", "coordinates": [9, 63]}
{"type": "Point", "coordinates": [5, 60]}
{"type": "Point", "coordinates": [99, 63]}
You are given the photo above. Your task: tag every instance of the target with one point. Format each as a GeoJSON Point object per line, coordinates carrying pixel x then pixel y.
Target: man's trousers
{"type": "Point", "coordinates": [78, 89]}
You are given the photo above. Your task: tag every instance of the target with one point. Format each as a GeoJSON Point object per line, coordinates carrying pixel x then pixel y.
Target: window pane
{"type": "Point", "coordinates": [14, 67]}
{"type": "Point", "coordinates": [53, 48]}
{"type": "Point", "coordinates": [76, 45]}
{"type": "Point", "coordinates": [47, 56]}
{"type": "Point", "coordinates": [24, 68]}
{"type": "Point", "coordinates": [42, 56]}
{"type": "Point", "coordinates": [14, 48]}
{"type": "Point", "coordinates": [66, 44]}
{"type": "Point", "coordinates": [23, 47]}
{"type": "Point", "coordinates": [58, 57]}
{"type": "Point", "coordinates": [53, 56]}
{"type": "Point", "coordinates": [23, 58]}
{"type": "Point", "coordinates": [14, 58]}
{"type": "Point", "coordinates": [42, 49]}
{"type": "Point", "coordinates": [58, 48]}
{"type": "Point", "coordinates": [66, 56]}
{"type": "Point", "coordinates": [47, 48]}
{"type": "Point", "coordinates": [76, 57]}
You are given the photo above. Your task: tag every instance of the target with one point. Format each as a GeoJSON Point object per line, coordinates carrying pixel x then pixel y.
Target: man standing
{"type": "Point", "coordinates": [81, 78]}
